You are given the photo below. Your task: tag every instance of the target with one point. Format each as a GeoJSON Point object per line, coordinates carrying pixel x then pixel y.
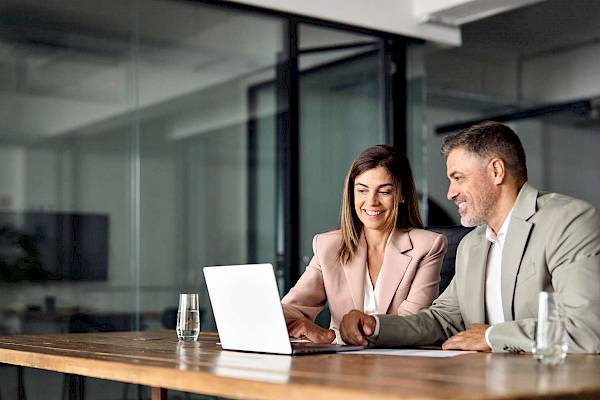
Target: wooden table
{"type": "Point", "coordinates": [157, 360]}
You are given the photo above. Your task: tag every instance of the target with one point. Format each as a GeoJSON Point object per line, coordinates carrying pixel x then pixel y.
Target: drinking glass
{"type": "Point", "coordinates": [550, 339]}
{"type": "Point", "coordinates": [188, 317]}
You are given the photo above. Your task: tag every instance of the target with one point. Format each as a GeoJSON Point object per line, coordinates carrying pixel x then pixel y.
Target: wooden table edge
{"type": "Point", "coordinates": [225, 386]}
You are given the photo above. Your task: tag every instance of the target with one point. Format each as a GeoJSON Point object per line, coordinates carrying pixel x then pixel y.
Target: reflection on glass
{"type": "Point", "coordinates": [342, 113]}
{"type": "Point", "coordinates": [65, 99]}
{"type": "Point", "coordinates": [137, 115]}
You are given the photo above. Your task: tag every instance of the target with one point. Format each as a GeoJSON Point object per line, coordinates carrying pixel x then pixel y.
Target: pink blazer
{"type": "Point", "coordinates": [410, 276]}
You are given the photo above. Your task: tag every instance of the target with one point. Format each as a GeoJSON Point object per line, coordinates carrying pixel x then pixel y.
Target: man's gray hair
{"type": "Point", "coordinates": [491, 139]}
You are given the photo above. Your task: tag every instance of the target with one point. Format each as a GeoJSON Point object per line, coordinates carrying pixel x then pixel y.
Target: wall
{"type": "Point", "coordinates": [475, 74]}
{"type": "Point", "coordinates": [562, 75]}
{"type": "Point", "coordinates": [437, 181]}
{"type": "Point", "coordinates": [561, 151]}
{"type": "Point", "coordinates": [572, 164]}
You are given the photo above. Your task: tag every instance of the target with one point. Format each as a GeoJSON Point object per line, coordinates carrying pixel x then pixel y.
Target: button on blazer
{"type": "Point", "coordinates": [409, 276]}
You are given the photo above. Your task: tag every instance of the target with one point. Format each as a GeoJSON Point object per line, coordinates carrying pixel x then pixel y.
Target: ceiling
{"type": "Point", "coordinates": [549, 26]}
{"type": "Point", "coordinates": [542, 27]}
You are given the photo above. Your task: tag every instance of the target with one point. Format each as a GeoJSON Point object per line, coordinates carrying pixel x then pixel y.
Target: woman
{"type": "Point", "coordinates": [380, 261]}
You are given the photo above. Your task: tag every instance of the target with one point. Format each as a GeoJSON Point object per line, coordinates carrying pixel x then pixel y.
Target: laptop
{"type": "Point", "coordinates": [248, 312]}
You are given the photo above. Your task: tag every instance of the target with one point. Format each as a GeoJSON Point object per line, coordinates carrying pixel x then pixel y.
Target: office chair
{"type": "Point", "coordinates": [454, 234]}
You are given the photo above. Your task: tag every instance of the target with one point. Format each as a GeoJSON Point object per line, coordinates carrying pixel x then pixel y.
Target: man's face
{"type": "Point", "coordinates": [471, 187]}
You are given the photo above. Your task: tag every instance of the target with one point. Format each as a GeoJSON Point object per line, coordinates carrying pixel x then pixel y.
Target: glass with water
{"type": "Point", "coordinates": [550, 339]}
{"type": "Point", "coordinates": [188, 317]}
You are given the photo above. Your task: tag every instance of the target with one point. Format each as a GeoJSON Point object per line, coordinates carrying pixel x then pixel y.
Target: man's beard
{"type": "Point", "coordinates": [487, 203]}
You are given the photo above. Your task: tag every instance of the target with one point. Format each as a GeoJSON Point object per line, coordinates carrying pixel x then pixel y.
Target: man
{"type": "Point", "coordinates": [526, 241]}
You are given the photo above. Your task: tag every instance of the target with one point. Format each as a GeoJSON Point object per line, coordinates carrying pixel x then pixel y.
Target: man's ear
{"type": "Point", "coordinates": [497, 170]}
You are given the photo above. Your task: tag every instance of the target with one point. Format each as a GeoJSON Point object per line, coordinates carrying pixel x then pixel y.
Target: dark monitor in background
{"type": "Point", "coordinates": [51, 246]}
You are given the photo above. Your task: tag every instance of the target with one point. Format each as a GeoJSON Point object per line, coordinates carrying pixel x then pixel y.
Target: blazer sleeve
{"type": "Point", "coordinates": [308, 297]}
{"type": "Point", "coordinates": [574, 266]}
{"type": "Point", "coordinates": [425, 285]}
{"type": "Point", "coordinates": [434, 324]}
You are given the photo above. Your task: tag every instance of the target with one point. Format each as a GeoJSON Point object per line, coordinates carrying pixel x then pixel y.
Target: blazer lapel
{"type": "Point", "coordinates": [476, 267]}
{"type": "Point", "coordinates": [395, 264]}
{"type": "Point", "coordinates": [514, 247]}
{"type": "Point", "coordinates": [355, 272]}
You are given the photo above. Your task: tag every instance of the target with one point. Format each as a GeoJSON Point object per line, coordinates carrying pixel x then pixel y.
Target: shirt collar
{"type": "Point", "coordinates": [492, 237]}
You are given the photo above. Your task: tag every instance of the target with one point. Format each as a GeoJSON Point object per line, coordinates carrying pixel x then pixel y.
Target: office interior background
{"type": "Point", "coordinates": [143, 140]}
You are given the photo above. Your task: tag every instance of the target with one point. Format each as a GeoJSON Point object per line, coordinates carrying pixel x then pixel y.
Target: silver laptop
{"type": "Point", "coordinates": [248, 312]}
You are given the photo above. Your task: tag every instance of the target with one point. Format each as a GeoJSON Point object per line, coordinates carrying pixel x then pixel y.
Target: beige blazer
{"type": "Point", "coordinates": [552, 243]}
{"type": "Point", "coordinates": [409, 276]}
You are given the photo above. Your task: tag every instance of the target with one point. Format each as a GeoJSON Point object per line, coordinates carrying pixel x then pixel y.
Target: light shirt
{"type": "Point", "coordinates": [371, 296]}
{"type": "Point", "coordinates": [375, 334]}
{"type": "Point", "coordinates": [371, 293]}
{"type": "Point", "coordinates": [493, 276]}
{"type": "Point", "coordinates": [369, 304]}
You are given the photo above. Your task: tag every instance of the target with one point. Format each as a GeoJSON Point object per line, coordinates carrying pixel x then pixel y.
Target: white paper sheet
{"type": "Point", "coordinates": [411, 352]}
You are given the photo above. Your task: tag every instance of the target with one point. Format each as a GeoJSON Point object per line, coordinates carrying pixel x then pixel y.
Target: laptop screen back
{"type": "Point", "coordinates": [247, 308]}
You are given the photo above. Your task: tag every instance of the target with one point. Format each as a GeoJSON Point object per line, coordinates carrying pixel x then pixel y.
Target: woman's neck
{"type": "Point", "coordinates": [376, 239]}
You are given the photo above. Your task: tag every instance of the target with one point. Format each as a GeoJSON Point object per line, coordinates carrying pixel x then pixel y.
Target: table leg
{"type": "Point", "coordinates": [158, 393]}
{"type": "Point", "coordinates": [76, 387]}
{"type": "Point", "coordinates": [20, 383]}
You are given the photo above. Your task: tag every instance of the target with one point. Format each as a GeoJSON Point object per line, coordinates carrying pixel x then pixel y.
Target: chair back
{"type": "Point", "coordinates": [114, 322]}
{"type": "Point", "coordinates": [454, 234]}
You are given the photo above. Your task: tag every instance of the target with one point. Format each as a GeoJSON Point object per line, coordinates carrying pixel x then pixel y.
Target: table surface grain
{"type": "Point", "coordinates": [158, 360]}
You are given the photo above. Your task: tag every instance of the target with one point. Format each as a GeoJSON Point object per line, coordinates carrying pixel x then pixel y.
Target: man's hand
{"type": "Point", "coordinates": [306, 329]}
{"type": "Point", "coordinates": [471, 339]}
{"type": "Point", "coordinates": [356, 326]}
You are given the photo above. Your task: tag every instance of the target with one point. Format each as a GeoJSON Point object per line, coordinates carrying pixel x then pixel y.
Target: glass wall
{"type": "Point", "coordinates": [125, 153]}
{"type": "Point", "coordinates": [199, 190]}
{"type": "Point", "coordinates": [68, 98]}
{"type": "Point", "coordinates": [342, 112]}
{"type": "Point", "coordinates": [141, 141]}
{"type": "Point", "coordinates": [416, 127]}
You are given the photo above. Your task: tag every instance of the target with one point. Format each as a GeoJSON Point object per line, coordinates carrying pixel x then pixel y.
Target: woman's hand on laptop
{"type": "Point", "coordinates": [303, 328]}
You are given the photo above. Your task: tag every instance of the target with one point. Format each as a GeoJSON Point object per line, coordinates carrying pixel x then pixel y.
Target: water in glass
{"type": "Point", "coordinates": [188, 317]}
{"type": "Point", "coordinates": [188, 326]}
{"type": "Point", "coordinates": [550, 339]}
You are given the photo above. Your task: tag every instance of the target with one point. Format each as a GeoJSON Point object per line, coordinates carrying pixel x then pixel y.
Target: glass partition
{"type": "Point", "coordinates": [342, 112]}
{"type": "Point", "coordinates": [204, 173]}
{"type": "Point", "coordinates": [125, 151]}
{"type": "Point", "coordinates": [141, 141]}
{"type": "Point", "coordinates": [67, 96]}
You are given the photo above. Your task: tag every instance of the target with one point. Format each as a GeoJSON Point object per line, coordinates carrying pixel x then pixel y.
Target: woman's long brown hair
{"type": "Point", "coordinates": [405, 214]}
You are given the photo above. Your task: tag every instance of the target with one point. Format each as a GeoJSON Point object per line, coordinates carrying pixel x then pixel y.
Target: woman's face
{"type": "Point", "coordinates": [374, 198]}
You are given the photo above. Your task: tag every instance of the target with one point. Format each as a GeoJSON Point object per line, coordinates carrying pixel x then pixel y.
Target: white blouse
{"type": "Point", "coordinates": [370, 303]}
{"type": "Point", "coordinates": [371, 293]}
